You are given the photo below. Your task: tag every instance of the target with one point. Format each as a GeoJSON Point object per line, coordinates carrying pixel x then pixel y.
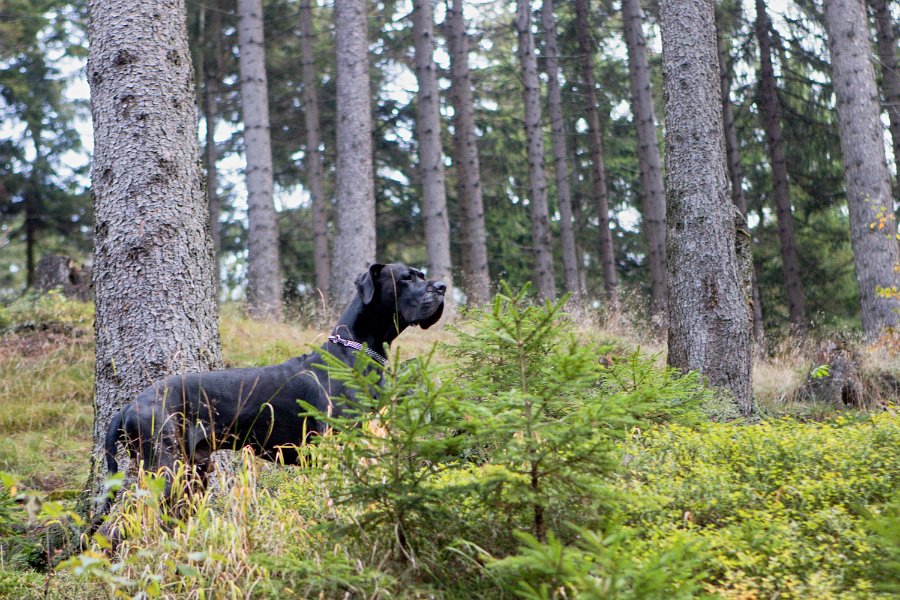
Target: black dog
{"type": "Point", "coordinates": [187, 417]}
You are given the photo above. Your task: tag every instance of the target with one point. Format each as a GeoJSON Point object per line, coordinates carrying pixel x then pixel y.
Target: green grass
{"type": "Point", "coordinates": [46, 383]}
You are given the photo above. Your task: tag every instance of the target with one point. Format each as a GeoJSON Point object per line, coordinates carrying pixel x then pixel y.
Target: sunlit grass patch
{"type": "Point", "coordinates": [46, 386]}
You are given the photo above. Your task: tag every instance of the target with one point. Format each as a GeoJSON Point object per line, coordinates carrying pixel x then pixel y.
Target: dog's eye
{"type": "Point", "coordinates": [406, 277]}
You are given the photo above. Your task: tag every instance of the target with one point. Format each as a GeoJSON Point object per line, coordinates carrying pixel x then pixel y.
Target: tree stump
{"type": "Point", "coordinates": [840, 384]}
{"type": "Point", "coordinates": [56, 272]}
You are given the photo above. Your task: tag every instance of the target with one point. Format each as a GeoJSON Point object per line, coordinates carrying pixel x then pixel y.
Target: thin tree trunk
{"type": "Point", "coordinates": [709, 317]}
{"type": "Point", "coordinates": [558, 139]}
{"type": "Point", "coordinates": [598, 170]}
{"type": "Point", "coordinates": [31, 200]}
{"type": "Point", "coordinates": [212, 73]}
{"type": "Point", "coordinates": [210, 108]}
{"type": "Point", "coordinates": [354, 246]}
{"type": "Point", "coordinates": [33, 205]}
{"type": "Point", "coordinates": [578, 218]}
{"type": "Point", "coordinates": [431, 156]}
{"type": "Point", "coordinates": [264, 288]}
{"type": "Point", "coordinates": [653, 194]}
{"type": "Point", "coordinates": [476, 276]}
{"type": "Point", "coordinates": [866, 176]}
{"type": "Point", "coordinates": [313, 154]}
{"type": "Point", "coordinates": [890, 74]}
{"type": "Point", "coordinates": [759, 332]}
{"type": "Point", "coordinates": [770, 110]}
{"type": "Point", "coordinates": [736, 176]}
{"type": "Point", "coordinates": [544, 279]}
{"type": "Point", "coordinates": [156, 312]}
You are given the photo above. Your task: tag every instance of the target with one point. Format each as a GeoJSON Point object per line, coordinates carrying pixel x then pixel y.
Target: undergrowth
{"type": "Point", "coordinates": [519, 458]}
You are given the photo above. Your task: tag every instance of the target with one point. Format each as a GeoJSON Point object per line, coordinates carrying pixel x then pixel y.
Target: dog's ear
{"type": "Point", "coordinates": [365, 283]}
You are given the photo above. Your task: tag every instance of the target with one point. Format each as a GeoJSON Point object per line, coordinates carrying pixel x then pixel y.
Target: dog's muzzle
{"type": "Point", "coordinates": [432, 305]}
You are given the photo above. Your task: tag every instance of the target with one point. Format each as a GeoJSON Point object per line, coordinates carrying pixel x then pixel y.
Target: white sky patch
{"type": "Point", "coordinates": [629, 218]}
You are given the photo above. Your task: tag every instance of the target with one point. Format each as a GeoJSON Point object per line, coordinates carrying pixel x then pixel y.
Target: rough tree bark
{"type": "Point", "coordinates": [736, 176]}
{"type": "Point", "coordinates": [431, 155]}
{"type": "Point", "coordinates": [770, 112]}
{"type": "Point", "coordinates": [354, 245]}
{"type": "Point", "coordinates": [598, 169]}
{"type": "Point", "coordinates": [653, 196]}
{"type": "Point", "coordinates": [313, 154]}
{"type": "Point", "coordinates": [264, 288]}
{"type": "Point", "coordinates": [558, 139]}
{"type": "Point", "coordinates": [875, 251]}
{"type": "Point", "coordinates": [709, 317]}
{"type": "Point", "coordinates": [890, 72]}
{"type": "Point", "coordinates": [544, 278]}
{"type": "Point", "coordinates": [476, 276]}
{"type": "Point", "coordinates": [156, 311]}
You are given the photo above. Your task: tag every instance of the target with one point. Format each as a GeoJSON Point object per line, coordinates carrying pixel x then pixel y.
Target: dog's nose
{"type": "Point", "coordinates": [439, 287]}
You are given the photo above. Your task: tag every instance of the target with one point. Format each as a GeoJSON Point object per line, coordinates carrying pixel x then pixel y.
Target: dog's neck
{"type": "Point", "coordinates": [362, 324]}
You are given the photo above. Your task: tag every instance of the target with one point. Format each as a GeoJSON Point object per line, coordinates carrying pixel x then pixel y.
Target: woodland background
{"type": "Point", "coordinates": [46, 204]}
{"type": "Point", "coordinates": [527, 449]}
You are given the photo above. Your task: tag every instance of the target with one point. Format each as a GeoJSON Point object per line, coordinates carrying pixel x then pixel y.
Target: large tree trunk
{"type": "Point", "coordinates": [598, 169]}
{"type": "Point", "coordinates": [313, 154]}
{"type": "Point", "coordinates": [431, 155]}
{"type": "Point", "coordinates": [558, 139]}
{"type": "Point", "coordinates": [156, 311]}
{"type": "Point", "coordinates": [544, 278]}
{"type": "Point", "coordinates": [890, 73]}
{"type": "Point", "coordinates": [866, 177]}
{"type": "Point", "coordinates": [653, 194]}
{"type": "Point", "coordinates": [770, 111]}
{"type": "Point", "coordinates": [212, 74]}
{"type": "Point", "coordinates": [476, 276]}
{"type": "Point", "coordinates": [264, 288]}
{"type": "Point", "coordinates": [354, 246]}
{"type": "Point", "coordinates": [709, 317]}
{"type": "Point", "coordinates": [736, 176]}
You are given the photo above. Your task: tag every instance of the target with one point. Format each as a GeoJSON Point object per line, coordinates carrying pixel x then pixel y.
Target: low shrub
{"type": "Point", "coordinates": [782, 506]}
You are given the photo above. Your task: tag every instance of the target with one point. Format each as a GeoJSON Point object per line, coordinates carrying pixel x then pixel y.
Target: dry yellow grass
{"type": "Point", "coordinates": [246, 342]}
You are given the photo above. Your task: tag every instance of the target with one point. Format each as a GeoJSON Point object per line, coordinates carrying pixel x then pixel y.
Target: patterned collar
{"type": "Point", "coordinates": [336, 339]}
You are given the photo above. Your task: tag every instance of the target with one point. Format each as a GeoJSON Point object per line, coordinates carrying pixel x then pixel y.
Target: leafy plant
{"type": "Point", "coordinates": [540, 411]}
{"type": "Point", "coordinates": [390, 446]}
{"type": "Point", "coordinates": [604, 565]}
{"type": "Point", "coordinates": [550, 415]}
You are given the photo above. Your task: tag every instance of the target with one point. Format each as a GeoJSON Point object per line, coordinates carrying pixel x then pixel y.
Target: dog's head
{"type": "Point", "coordinates": [404, 291]}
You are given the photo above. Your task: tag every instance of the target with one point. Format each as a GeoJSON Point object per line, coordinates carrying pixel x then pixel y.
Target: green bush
{"type": "Point", "coordinates": [781, 505]}
{"type": "Point", "coordinates": [603, 565]}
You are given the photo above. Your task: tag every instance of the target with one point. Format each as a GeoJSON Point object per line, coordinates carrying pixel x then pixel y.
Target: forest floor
{"type": "Point", "coordinates": [46, 419]}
